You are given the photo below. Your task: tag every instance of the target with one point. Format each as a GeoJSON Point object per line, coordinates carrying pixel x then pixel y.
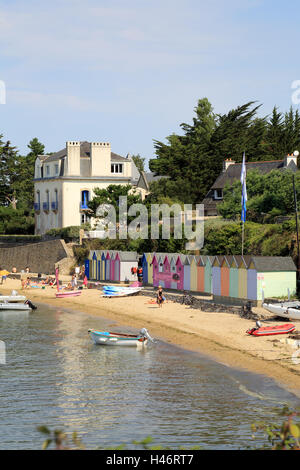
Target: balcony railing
{"type": "Point", "coordinates": [46, 206]}
{"type": "Point", "coordinates": [37, 206]}
{"type": "Point", "coordinates": [54, 205]}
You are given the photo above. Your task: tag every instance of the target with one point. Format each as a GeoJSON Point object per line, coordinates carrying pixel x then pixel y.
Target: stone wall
{"type": "Point", "coordinates": [39, 257]}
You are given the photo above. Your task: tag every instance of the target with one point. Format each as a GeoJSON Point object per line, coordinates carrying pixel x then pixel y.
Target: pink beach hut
{"type": "Point", "coordinates": [161, 270]}
{"type": "Point", "coordinates": [112, 266]}
{"type": "Point", "coordinates": [180, 272]}
{"type": "Point", "coordinates": [167, 272]}
{"type": "Point", "coordinates": [117, 267]}
{"type": "Point", "coordinates": [107, 266]}
{"type": "Point", "coordinates": [155, 270]}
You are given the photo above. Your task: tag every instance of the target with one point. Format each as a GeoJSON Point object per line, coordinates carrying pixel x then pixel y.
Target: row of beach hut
{"type": "Point", "coordinates": [230, 276]}
{"type": "Point", "coordinates": [111, 265]}
{"type": "Point", "coordinates": [235, 276]}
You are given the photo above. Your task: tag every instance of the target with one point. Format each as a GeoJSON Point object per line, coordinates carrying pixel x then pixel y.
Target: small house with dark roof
{"type": "Point", "coordinates": [64, 182]}
{"type": "Point", "coordinates": [232, 172]}
{"type": "Point", "coordinates": [142, 185]}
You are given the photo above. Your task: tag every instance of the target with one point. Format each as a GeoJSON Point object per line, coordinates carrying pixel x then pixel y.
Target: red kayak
{"type": "Point", "coordinates": [272, 330]}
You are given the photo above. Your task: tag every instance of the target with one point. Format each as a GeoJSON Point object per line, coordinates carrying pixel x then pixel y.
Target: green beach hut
{"type": "Point", "coordinates": [207, 260]}
{"type": "Point", "coordinates": [275, 276]}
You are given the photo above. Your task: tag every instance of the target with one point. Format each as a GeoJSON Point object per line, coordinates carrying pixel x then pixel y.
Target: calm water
{"type": "Point", "coordinates": [55, 376]}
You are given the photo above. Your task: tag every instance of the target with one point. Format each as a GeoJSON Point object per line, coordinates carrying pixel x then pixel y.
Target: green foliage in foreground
{"type": "Point", "coordinates": [283, 436]}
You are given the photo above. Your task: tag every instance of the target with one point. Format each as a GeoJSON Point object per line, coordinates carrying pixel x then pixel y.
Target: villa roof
{"type": "Point", "coordinates": [84, 153]}
{"type": "Point", "coordinates": [146, 178]}
{"type": "Point", "coordinates": [233, 171]}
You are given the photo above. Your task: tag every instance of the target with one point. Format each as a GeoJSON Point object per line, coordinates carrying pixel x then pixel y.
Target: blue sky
{"type": "Point", "coordinates": [130, 71]}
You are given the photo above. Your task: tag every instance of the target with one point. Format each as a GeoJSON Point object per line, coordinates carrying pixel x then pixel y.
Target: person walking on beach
{"type": "Point", "coordinates": [159, 297]}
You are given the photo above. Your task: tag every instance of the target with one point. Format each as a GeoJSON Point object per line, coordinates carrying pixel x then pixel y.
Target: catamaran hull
{"type": "Point", "coordinates": [284, 310]}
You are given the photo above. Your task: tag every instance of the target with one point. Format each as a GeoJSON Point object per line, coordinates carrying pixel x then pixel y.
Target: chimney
{"type": "Point", "coordinates": [227, 163]}
{"type": "Point", "coordinates": [100, 159]}
{"type": "Point", "coordinates": [291, 157]}
{"type": "Point", "coordinates": [73, 158]}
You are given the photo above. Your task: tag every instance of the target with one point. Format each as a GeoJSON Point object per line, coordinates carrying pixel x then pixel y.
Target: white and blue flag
{"type": "Point", "coordinates": [244, 190]}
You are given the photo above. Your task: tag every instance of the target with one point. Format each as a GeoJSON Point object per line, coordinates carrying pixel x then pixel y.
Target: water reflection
{"type": "Point", "coordinates": [56, 376]}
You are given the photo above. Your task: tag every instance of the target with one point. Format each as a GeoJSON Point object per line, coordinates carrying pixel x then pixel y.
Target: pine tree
{"type": "Point", "coordinates": [9, 170]}
{"type": "Point", "coordinates": [25, 186]}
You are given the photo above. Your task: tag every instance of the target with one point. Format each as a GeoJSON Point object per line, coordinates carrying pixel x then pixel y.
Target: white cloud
{"type": "Point", "coordinates": [70, 32]}
{"type": "Point", "coordinates": [48, 100]}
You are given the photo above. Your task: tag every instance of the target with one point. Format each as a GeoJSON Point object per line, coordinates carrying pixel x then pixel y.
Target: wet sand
{"type": "Point", "coordinates": [222, 336]}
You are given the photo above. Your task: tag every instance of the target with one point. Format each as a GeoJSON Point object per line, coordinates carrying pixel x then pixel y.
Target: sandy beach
{"type": "Point", "coordinates": [221, 336]}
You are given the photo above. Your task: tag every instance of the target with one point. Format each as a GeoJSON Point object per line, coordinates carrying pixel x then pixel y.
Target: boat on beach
{"type": "Point", "coordinates": [107, 338]}
{"type": "Point", "coordinates": [260, 330]}
{"type": "Point", "coordinates": [66, 293]}
{"type": "Point", "coordinates": [289, 310]}
{"type": "Point", "coordinates": [60, 294]}
{"type": "Point", "coordinates": [120, 291]}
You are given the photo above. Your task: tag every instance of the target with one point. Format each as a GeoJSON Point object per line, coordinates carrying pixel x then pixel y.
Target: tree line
{"type": "Point", "coordinates": [191, 161]}
{"type": "Point", "coordinates": [16, 187]}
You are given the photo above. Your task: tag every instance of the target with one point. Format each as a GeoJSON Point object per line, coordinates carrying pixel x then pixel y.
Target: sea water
{"type": "Point", "coordinates": [55, 376]}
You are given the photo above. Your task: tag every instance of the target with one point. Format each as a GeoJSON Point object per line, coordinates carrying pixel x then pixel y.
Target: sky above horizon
{"type": "Point", "coordinates": [130, 72]}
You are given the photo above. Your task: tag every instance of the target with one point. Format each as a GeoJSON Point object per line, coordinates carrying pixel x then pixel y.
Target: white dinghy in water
{"type": "Point", "coordinates": [27, 306]}
{"type": "Point", "coordinates": [107, 338]}
{"type": "Point", "coordinates": [284, 309]}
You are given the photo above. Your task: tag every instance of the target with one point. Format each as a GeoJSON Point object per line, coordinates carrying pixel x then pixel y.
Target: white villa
{"type": "Point", "coordinates": [64, 182]}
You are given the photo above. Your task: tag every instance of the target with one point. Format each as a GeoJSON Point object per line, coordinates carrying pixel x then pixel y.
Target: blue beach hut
{"type": "Point", "coordinates": [216, 276]}
{"type": "Point", "coordinates": [187, 273]}
{"type": "Point", "coordinates": [87, 268]}
{"type": "Point", "coordinates": [145, 267]}
{"type": "Point", "coordinates": [94, 266]}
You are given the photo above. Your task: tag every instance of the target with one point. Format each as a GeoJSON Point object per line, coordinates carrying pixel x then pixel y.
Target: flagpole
{"type": "Point", "coordinates": [244, 200]}
{"type": "Point", "coordinates": [297, 231]}
{"type": "Point", "coordinates": [243, 236]}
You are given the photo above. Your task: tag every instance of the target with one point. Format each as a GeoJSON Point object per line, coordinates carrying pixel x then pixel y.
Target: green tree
{"type": "Point", "coordinates": [111, 195]}
{"type": "Point", "coordinates": [269, 195]}
{"type": "Point", "coordinates": [139, 162]}
{"type": "Point", "coordinates": [25, 185]}
{"type": "Point", "coordinates": [36, 148]}
{"type": "Point", "coordinates": [187, 159]}
{"type": "Point", "coordinates": [9, 170]}
{"type": "Point", "coordinates": [236, 132]}
{"type": "Point", "coordinates": [194, 160]}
